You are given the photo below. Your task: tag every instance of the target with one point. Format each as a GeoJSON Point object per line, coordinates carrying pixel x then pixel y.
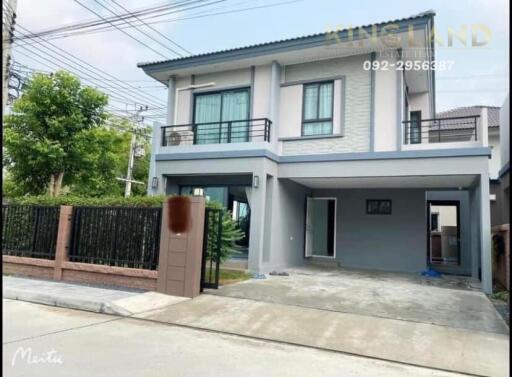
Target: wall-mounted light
{"type": "Point", "coordinates": [154, 182]}
{"type": "Point", "coordinates": [198, 191]}
{"type": "Point", "coordinates": [255, 181]}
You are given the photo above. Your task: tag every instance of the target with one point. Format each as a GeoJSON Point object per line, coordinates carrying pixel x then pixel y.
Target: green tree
{"type": "Point", "coordinates": [230, 233]}
{"type": "Point", "coordinates": [104, 152]}
{"type": "Point", "coordinates": [47, 137]}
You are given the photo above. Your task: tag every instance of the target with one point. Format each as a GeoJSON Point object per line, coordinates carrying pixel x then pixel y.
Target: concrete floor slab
{"type": "Point", "coordinates": [451, 301]}
{"type": "Point", "coordinates": [445, 348]}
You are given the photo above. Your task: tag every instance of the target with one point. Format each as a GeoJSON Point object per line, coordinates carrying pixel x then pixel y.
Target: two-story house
{"type": "Point", "coordinates": [328, 149]}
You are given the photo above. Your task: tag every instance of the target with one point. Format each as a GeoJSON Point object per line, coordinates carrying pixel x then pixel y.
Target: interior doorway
{"type": "Point", "coordinates": [443, 241]}
{"type": "Point", "coordinates": [320, 227]}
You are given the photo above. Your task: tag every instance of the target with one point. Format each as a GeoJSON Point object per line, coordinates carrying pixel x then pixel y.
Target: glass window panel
{"type": "Point", "coordinates": [310, 102]}
{"type": "Point", "coordinates": [235, 106]}
{"type": "Point", "coordinates": [207, 109]}
{"type": "Point", "coordinates": [218, 194]}
{"type": "Point", "coordinates": [415, 126]}
{"type": "Point", "coordinates": [325, 101]}
{"type": "Point", "coordinates": [222, 107]}
{"type": "Point", "coordinates": [317, 128]}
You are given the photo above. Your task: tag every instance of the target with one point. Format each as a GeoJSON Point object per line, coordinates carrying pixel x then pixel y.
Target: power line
{"type": "Point", "coordinates": [121, 30]}
{"type": "Point", "coordinates": [101, 73]}
{"type": "Point", "coordinates": [152, 28]}
{"type": "Point", "coordinates": [81, 74]}
{"type": "Point", "coordinates": [201, 14]}
{"type": "Point", "coordinates": [138, 29]}
{"type": "Point", "coordinates": [159, 9]}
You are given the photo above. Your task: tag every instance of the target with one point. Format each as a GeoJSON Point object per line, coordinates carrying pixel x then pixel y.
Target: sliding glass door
{"type": "Point", "coordinates": [226, 112]}
{"type": "Point", "coordinates": [320, 227]}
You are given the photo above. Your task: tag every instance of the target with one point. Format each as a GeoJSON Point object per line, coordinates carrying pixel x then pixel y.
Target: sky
{"type": "Point", "coordinates": [479, 75]}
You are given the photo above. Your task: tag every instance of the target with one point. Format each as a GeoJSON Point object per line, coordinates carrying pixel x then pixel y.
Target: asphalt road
{"type": "Point", "coordinates": [41, 340]}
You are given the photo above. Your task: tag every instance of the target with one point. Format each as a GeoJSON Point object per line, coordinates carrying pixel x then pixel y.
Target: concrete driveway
{"type": "Point", "coordinates": [455, 302]}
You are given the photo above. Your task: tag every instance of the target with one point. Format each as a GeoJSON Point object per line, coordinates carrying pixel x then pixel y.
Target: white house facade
{"type": "Point", "coordinates": [323, 159]}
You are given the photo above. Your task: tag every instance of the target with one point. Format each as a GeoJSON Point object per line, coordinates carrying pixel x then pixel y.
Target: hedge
{"type": "Point", "coordinates": [106, 201]}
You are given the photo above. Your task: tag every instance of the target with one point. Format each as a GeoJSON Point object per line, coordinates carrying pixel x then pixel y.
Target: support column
{"type": "Point", "coordinates": [63, 240]}
{"type": "Point", "coordinates": [171, 100]}
{"type": "Point", "coordinates": [257, 229]}
{"type": "Point", "coordinates": [273, 107]}
{"type": "Point", "coordinates": [474, 210]}
{"type": "Point", "coordinates": [485, 233]}
{"type": "Point", "coordinates": [483, 131]}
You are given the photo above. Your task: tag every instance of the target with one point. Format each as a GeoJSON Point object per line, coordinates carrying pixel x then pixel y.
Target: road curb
{"type": "Point", "coordinates": [103, 307]}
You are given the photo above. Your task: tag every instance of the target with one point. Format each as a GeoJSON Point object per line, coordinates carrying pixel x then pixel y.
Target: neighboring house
{"type": "Point", "coordinates": [501, 187]}
{"type": "Point", "coordinates": [460, 129]}
{"type": "Point", "coordinates": [331, 162]}
{"type": "Point", "coordinates": [456, 127]}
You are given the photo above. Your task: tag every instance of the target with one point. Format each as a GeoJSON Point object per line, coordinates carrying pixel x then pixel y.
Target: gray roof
{"type": "Point", "coordinates": [276, 45]}
{"type": "Point", "coordinates": [493, 114]}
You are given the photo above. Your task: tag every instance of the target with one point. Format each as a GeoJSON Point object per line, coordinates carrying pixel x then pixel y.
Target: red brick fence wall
{"type": "Point", "coordinates": [60, 268]}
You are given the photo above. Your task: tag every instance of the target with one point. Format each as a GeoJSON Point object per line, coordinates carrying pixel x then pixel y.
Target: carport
{"type": "Point", "coordinates": [451, 301]}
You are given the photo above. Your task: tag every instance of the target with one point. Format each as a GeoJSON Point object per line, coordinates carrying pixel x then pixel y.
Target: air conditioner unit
{"type": "Point", "coordinates": [174, 138]}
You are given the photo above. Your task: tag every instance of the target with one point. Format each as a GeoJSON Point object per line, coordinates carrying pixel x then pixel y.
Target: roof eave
{"type": "Point", "coordinates": [279, 46]}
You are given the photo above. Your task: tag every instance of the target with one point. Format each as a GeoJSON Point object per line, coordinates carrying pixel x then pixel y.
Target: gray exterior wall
{"type": "Point", "coordinates": [288, 219]}
{"type": "Point", "coordinates": [175, 181]}
{"type": "Point", "coordinates": [395, 242]}
{"type": "Point", "coordinates": [356, 105]}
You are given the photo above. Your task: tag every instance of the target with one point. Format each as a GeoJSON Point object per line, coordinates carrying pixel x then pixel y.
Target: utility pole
{"type": "Point", "coordinates": [7, 35]}
{"type": "Point", "coordinates": [137, 120]}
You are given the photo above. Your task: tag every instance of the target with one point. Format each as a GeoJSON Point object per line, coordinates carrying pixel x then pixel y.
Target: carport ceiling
{"type": "Point", "coordinates": [427, 182]}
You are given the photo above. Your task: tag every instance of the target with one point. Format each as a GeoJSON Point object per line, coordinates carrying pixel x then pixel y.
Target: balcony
{"type": "Point", "coordinates": [453, 131]}
{"type": "Point", "coordinates": [227, 132]}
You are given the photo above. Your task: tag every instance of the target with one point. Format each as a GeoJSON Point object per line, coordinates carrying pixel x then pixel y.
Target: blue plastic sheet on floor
{"type": "Point", "coordinates": [431, 273]}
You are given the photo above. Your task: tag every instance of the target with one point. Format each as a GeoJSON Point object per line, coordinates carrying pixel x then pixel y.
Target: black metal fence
{"type": "Point", "coordinates": [116, 236]}
{"type": "Point", "coordinates": [441, 130]}
{"type": "Point", "coordinates": [30, 231]}
{"type": "Point", "coordinates": [212, 248]}
{"type": "Point", "coordinates": [234, 131]}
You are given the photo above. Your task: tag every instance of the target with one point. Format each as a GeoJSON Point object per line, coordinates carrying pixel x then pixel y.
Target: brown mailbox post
{"type": "Point", "coordinates": [179, 266]}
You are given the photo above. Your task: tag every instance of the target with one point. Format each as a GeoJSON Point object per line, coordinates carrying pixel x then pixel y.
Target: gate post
{"type": "Point", "coordinates": [179, 263]}
{"type": "Point", "coordinates": [63, 238]}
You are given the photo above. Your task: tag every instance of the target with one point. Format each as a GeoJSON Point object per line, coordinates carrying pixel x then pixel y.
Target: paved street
{"type": "Point", "coordinates": [90, 344]}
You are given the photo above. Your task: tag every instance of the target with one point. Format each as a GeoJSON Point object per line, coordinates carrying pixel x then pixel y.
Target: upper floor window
{"type": "Point", "coordinates": [215, 112]}
{"type": "Point", "coordinates": [317, 108]}
{"type": "Point", "coordinates": [415, 128]}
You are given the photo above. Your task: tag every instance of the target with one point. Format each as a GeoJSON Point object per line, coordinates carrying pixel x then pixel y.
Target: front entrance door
{"type": "Point", "coordinates": [320, 227]}
{"type": "Point", "coordinates": [443, 232]}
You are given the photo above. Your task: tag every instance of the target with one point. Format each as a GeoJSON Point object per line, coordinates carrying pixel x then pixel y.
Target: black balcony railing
{"type": "Point", "coordinates": [233, 131]}
{"type": "Point", "coordinates": [441, 130]}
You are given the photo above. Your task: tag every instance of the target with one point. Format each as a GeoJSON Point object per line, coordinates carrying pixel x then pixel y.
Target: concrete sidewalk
{"type": "Point", "coordinates": [420, 344]}
{"type": "Point", "coordinates": [117, 301]}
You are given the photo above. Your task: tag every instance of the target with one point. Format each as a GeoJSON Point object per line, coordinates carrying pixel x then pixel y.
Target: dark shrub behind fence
{"type": "Point", "coordinates": [29, 231]}
{"type": "Point", "coordinates": [116, 236]}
